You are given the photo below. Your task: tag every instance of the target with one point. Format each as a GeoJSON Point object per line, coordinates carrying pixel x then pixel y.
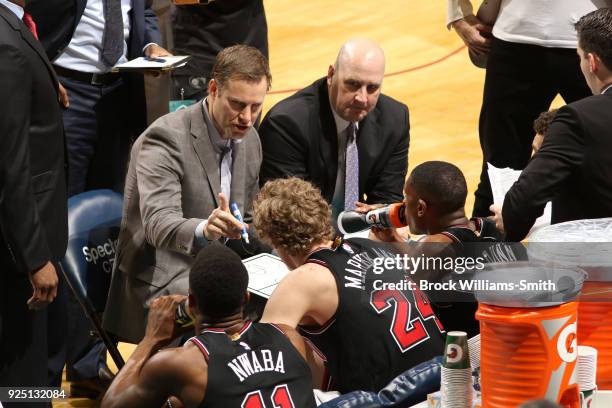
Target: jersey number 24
{"type": "Point", "coordinates": [406, 332]}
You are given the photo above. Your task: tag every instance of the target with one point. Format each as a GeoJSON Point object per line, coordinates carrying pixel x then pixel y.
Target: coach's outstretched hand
{"type": "Point", "coordinates": [222, 223]}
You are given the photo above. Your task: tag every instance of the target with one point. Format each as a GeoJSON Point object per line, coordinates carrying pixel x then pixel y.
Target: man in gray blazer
{"type": "Point", "coordinates": [183, 171]}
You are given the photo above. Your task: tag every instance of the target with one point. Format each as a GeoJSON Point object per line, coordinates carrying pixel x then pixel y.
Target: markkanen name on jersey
{"type": "Point", "coordinates": [467, 285]}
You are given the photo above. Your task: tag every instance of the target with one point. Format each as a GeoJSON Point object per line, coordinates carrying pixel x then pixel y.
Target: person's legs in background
{"type": "Point", "coordinates": [567, 75]}
{"type": "Point", "coordinates": [57, 329]}
{"type": "Point", "coordinates": [108, 164]}
{"type": "Point", "coordinates": [521, 82]}
{"type": "Point", "coordinates": [80, 126]}
{"type": "Point", "coordinates": [23, 336]}
{"type": "Point", "coordinates": [201, 31]}
{"type": "Point", "coordinates": [518, 87]}
{"type": "Point", "coordinates": [98, 143]}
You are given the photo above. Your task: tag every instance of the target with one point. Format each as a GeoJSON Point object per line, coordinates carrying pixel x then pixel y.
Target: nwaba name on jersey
{"type": "Point", "coordinates": [257, 361]}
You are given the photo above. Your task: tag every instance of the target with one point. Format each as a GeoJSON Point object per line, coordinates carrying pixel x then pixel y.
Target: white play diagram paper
{"type": "Point", "coordinates": [501, 181]}
{"type": "Point", "coordinates": [265, 271]}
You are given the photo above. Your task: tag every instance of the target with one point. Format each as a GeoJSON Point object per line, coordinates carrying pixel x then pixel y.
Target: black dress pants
{"type": "Point", "coordinates": [521, 82]}
{"type": "Point", "coordinates": [98, 135]}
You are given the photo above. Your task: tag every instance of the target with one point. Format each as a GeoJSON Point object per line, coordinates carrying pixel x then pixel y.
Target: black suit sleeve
{"type": "Point", "coordinates": [390, 184]}
{"type": "Point", "coordinates": [151, 28]}
{"type": "Point", "coordinates": [19, 215]}
{"type": "Point", "coordinates": [285, 150]}
{"type": "Point", "coordinates": [561, 153]}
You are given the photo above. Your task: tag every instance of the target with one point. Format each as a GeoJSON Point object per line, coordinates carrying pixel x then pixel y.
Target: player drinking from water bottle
{"type": "Point", "coordinates": [368, 336]}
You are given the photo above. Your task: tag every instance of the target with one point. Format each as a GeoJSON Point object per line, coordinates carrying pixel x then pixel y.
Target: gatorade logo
{"type": "Point", "coordinates": [566, 343]}
{"type": "Point", "coordinates": [454, 353]}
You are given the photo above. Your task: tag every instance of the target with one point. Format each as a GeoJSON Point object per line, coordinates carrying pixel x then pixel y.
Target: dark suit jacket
{"type": "Point", "coordinates": [299, 139]}
{"type": "Point", "coordinates": [33, 212]}
{"type": "Point", "coordinates": [56, 21]}
{"type": "Point", "coordinates": [573, 169]}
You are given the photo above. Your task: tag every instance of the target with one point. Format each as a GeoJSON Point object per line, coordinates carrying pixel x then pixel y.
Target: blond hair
{"type": "Point", "coordinates": [292, 215]}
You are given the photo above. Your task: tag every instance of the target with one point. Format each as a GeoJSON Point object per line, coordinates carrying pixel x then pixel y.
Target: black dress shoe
{"type": "Point", "coordinates": [92, 387]}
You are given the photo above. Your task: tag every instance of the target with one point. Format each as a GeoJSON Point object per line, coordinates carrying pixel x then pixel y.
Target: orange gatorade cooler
{"type": "Point", "coordinates": [528, 353]}
{"type": "Point", "coordinates": [528, 336]}
{"type": "Point", "coordinates": [586, 244]}
{"type": "Point", "coordinates": [595, 327]}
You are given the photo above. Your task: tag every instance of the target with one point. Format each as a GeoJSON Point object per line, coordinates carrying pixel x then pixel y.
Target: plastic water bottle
{"type": "Point", "coordinates": [391, 216]}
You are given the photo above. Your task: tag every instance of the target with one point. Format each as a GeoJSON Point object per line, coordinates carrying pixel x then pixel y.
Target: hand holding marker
{"type": "Point", "coordinates": [236, 212]}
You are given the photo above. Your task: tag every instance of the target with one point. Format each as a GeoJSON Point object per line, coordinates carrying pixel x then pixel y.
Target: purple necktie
{"type": "Point", "coordinates": [351, 173]}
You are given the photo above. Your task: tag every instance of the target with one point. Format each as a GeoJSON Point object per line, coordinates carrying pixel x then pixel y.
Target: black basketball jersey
{"type": "Point", "coordinates": [458, 311]}
{"type": "Point", "coordinates": [257, 367]}
{"type": "Point", "coordinates": [484, 241]}
{"type": "Point", "coordinates": [375, 333]}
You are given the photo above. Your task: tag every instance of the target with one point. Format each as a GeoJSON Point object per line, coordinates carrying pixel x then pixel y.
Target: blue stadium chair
{"type": "Point", "coordinates": [94, 218]}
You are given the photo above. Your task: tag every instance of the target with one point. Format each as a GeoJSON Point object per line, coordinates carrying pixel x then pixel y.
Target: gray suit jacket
{"type": "Point", "coordinates": [172, 185]}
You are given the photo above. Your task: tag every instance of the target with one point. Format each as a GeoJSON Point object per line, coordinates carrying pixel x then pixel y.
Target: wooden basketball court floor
{"type": "Point", "coordinates": [427, 68]}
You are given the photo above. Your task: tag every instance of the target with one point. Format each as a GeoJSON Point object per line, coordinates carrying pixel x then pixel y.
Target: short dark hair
{"type": "Point", "coordinates": [218, 280]}
{"type": "Point", "coordinates": [540, 125]}
{"type": "Point", "coordinates": [441, 184]}
{"type": "Point", "coordinates": [241, 62]}
{"type": "Point", "coordinates": [595, 34]}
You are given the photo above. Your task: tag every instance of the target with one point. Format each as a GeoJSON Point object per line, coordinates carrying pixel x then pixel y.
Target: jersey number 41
{"type": "Point", "coordinates": [281, 398]}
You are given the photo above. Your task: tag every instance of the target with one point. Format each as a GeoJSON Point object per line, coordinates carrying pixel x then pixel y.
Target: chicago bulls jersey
{"type": "Point", "coordinates": [375, 333]}
{"type": "Point", "coordinates": [257, 367]}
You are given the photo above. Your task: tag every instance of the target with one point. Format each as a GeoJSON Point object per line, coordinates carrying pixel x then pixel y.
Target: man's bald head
{"type": "Point", "coordinates": [354, 81]}
{"type": "Point", "coordinates": [360, 52]}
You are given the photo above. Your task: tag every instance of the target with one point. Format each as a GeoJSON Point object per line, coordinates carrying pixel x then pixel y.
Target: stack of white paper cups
{"type": "Point", "coordinates": [456, 385]}
{"type": "Point", "coordinates": [586, 365]}
{"type": "Point", "coordinates": [474, 347]}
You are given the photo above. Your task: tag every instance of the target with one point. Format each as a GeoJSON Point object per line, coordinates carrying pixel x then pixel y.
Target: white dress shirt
{"type": "Point", "coordinates": [18, 10]}
{"type": "Point", "coordinates": [547, 23]}
{"type": "Point", "coordinates": [83, 51]}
